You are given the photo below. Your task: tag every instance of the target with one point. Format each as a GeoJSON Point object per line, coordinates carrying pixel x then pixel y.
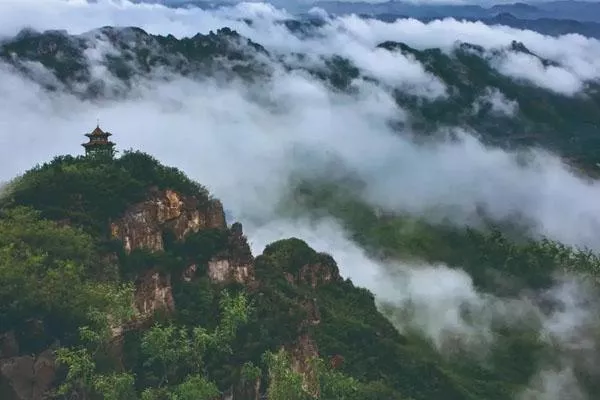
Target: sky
{"type": "Point", "coordinates": [244, 141]}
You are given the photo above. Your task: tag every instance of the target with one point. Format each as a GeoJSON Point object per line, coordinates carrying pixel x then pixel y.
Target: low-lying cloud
{"type": "Point", "coordinates": [349, 36]}
{"type": "Point", "coordinates": [243, 142]}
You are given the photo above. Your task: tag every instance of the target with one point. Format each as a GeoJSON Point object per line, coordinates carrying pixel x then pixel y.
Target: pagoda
{"type": "Point", "coordinates": [98, 144]}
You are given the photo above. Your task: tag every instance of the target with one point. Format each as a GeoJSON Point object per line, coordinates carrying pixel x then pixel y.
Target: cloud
{"type": "Point", "coordinates": [554, 384]}
{"type": "Point", "coordinates": [443, 305]}
{"type": "Point", "coordinates": [497, 102]}
{"type": "Point", "coordinates": [270, 130]}
{"type": "Point", "coordinates": [244, 141]}
{"type": "Point", "coordinates": [349, 36]}
{"type": "Point", "coordinates": [530, 68]}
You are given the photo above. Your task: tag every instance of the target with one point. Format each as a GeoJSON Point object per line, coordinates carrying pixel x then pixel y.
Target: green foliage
{"type": "Point", "coordinates": [115, 386]}
{"type": "Point", "coordinates": [88, 192]}
{"type": "Point", "coordinates": [53, 274]}
{"type": "Point", "coordinates": [62, 275]}
{"type": "Point", "coordinates": [284, 382]}
{"type": "Point", "coordinates": [83, 378]}
{"type": "Point", "coordinates": [81, 368]}
{"type": "Point", "coordinates": [501, 259]}
{"type": "Point", "coordinates": [173, 360]}
{"type": "Point", "coordinates": [290, 255]}
{"type": "Point", "coordinates": [201, 246]}
{"type": "Point", "coordinates": [250, 372]}
{"type": "Point", "coordinates": [171, 352]}
{"type": "Point", "coordinates": [195, 388]}
{"type": "Point", "coordinates": [486, 254]}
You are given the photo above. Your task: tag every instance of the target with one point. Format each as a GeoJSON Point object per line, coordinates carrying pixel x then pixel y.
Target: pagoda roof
{"type": "Point", "coordinates": [98, 132]}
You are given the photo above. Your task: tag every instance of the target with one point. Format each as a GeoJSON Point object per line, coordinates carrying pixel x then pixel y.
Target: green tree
{"type": "Point", "coordinates": [284, 382]}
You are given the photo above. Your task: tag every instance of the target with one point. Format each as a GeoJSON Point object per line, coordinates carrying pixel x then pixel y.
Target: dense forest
{"type": "Point", "coordinates": [294, 329]}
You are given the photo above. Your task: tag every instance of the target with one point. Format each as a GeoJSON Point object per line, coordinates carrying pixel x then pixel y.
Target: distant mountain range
{"type": "Point", "coordinates": [546, 26]}
{"type": "Point", "coordinates": [581, 11]}
{"type": "Point", "coordinates": [549, 18]}
{"type": "Point", "coordinates": [511, 111]}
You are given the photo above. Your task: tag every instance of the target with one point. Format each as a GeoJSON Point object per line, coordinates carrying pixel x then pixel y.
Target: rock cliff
{"type": "Point", "coordinates": [143, 224]}
{"type": "Point", "coordinates": [148, 226]}
{"type": "Point", "coordinates": [305, 349]}
{"type": "Point", "coordinates": [24, 377]}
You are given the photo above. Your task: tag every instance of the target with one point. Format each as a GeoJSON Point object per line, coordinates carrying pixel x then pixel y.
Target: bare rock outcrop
{"type": "Point", "coordinates": [304, 350]}
{"type": "Point", "coordinates": [27, 377]}
{"type": "Point", "coordinates": [237, 264]}
{"type": "Point", "coordinates": [302, 353]}
{"type": "Point", "coordinates": [154, 293]}
{"type": "Point", "coordinates": [142, 225]}
{"type": "Point", "coordinates": [316, 275]}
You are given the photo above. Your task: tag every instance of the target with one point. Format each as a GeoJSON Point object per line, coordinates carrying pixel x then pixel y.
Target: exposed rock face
{"type": "Point", "coordinates": [318, 274]}
{"type": "Point", "coordinates": [238, 264]}
{"type": "Point", "coordinates": [313, 313]}
{"type": "Point", "coordinates": [142, 225]}
{"type": "Point", "coordinates": [315, 275]}
{"type": "Point", "coordinates": [189, 273]}
{"type": "Point", "coordinates": [302, 352]}
{"type": "Point", "coordinates": [9, 346]}
{"type": "Point", "coordinates": [224, 271]}
{"type": "Point", "coordinates": [27, 377]}
{"type": "Point", "coordinates": [154, 293]}
{"type": "Point", "coordinates": [305, 349]}
{"type": "Point", "coordinates": [336, 361]}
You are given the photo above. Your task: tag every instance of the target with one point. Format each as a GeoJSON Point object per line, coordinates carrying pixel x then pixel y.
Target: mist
{"type": "Point", "coordinates": [244, 141]}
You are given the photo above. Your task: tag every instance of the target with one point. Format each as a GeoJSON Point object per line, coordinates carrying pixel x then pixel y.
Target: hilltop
{"type": "Point", "coordinates": [122, 280]}
{"type": "Point", "coordinates": [143, 288]}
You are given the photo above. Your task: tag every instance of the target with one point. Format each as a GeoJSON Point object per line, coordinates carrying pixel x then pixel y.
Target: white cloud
{"type": "Point", "coordinates": [530, 68]}
{"type": "Point", "coordinates": [498, 103]}
{"type": "Point", "coordinates": [349, 36]}
{"type": "Point", "coordinates": [243, 141]}
{"type": "Point", "coordinates": [223, 122]}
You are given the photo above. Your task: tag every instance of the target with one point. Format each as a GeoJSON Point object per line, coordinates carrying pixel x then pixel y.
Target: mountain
{"type": "Point", "coordinates": [582, 11]}
{"type": "Point", "coordinates": [121, 280]}
{"type": "Point", "coordinates": [508, 111]}
{"type": "Point", "coordinates": [121, 277]}
{"type": "Point", "coordinates": [546, 26]}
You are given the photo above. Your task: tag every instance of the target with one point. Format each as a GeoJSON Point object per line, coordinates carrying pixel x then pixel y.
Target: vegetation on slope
{"type": "Point", "coordinates": [502, 262]}
{"type": "Point", "coordinates": [87, 192]}
{"type": "Point", "coordinates": [61, 278]}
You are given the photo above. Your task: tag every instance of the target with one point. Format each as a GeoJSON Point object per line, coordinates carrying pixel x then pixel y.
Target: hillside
{"type": "Point", "coordinates": [145, 291]}
{"type": "Point", "coordinates": [121, 280]}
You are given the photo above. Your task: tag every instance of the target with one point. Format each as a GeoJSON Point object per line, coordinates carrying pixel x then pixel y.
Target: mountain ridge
{"type": "Point", "coordinates": [486, 103]}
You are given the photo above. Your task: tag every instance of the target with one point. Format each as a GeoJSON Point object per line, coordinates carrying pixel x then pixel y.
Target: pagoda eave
{"type": "Point", "coordinates": [92, 135]}
{"type": "Point", "coordinates": [111, 144]}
